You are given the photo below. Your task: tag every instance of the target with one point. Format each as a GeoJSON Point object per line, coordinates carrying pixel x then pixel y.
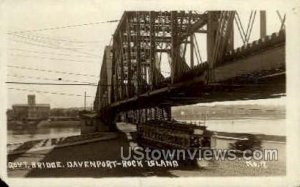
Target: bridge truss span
{"type": "Point", "coordinates": [134, 84]}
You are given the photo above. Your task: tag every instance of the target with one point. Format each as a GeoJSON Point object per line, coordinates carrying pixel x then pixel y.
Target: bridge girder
{"type": "Point", "coordinates": [131, 80]}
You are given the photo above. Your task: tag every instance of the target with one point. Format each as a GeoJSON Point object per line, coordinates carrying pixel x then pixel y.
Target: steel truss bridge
{"type": "Point", "coordinates": [132, 85]}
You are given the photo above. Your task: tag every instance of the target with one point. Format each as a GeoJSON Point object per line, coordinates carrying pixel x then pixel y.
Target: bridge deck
{"type": "Point", "coordinates": [254, 71]}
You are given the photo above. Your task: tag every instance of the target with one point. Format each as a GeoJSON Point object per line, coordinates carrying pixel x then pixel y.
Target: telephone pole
{"type": "Point", "coordinates": [84, 100]}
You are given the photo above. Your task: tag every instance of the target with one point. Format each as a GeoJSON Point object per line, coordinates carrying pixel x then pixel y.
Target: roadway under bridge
{"type": "Point", "coordinates": [132, 83]}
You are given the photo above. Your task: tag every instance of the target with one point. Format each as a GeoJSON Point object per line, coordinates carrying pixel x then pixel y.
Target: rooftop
{"type": "Point", "coordinates": [26, 105]}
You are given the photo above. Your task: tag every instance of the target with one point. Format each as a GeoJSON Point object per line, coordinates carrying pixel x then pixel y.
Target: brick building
{"type": "Point", "coordinates": [31, 111]}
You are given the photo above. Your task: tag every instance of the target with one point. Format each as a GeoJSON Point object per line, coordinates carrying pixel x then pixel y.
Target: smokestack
{"type": "Point", "coordinates": [31, 99]}
{"type": "Point", "coordinates": [263, 24]}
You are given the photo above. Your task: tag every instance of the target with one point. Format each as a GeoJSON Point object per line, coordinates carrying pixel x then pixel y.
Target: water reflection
{"type": "Point", "coordinates": [16, 135]}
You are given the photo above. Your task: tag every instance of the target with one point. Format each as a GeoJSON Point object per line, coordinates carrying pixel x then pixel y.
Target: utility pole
{"type": "Point", "coordinates": [84, 101]}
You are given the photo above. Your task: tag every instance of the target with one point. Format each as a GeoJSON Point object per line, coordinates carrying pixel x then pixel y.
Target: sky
{"type": "Point", "coordinates": [74, 46]}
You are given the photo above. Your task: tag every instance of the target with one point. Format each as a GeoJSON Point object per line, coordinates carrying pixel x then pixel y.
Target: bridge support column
{"type": "Point", "coordinates": [175, 52]}
{"type": "Point", "coordinates": [168, 113]}
{"type": "Point", "coordinates": [108, 117]}
{"type": "Point", "coordinates": [129, 72]}
{"type": "Point", "coordinates": [212, 29]}
{"type": "Point", "coordinates": [230, 45]}
{"type": "Point", "coordinates": [138, 55]}
{"type": "Point", "coordinates": [192, 50]}
{"type": "Point", "coordinates": [146, 114]}
{"type": "Point", "coordinates": [219, 39]}
{"type": "Point", "coordinates": [152, 77]}
{"type": "Point", "coordinates": [137, 113]}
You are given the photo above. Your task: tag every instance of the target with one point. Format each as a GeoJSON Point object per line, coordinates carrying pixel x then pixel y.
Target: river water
{"type": "Point", "coordinates": [250, 125]}
{"type": "Point", "coordinates": [22, 135]}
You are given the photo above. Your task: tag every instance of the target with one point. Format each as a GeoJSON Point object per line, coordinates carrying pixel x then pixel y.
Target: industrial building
{"type": "Point", "coordinates": [31, 110]}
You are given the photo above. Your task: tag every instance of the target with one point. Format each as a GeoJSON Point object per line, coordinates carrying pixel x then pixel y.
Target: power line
{"type": "Point", "coordinates": [50, 58]}
{"type": "Point", "coordinates": [47, 84]}
{"type": "Point", "coordinates": [63, 27]}
{"type": "Point", "coordinates": [51, 71]}
{"type": "Point", "coordinates": [58, 84]}
{"type": "Point", "coordinates": [42, 52]}
{"type": "Point", "coordinates": [42, 78]}
{"type": "Point", "coordinates": [49, 42]}
{"type": "Point", "coordinates": [54, 93]}
{"type": "Point", "coordinates": [61, 40]}
{"type": "Point", "coordinates": [54, 47]}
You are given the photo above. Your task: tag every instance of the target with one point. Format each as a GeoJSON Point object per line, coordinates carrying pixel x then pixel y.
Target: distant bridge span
{"type": "Point", "coordinates": [132, 82]}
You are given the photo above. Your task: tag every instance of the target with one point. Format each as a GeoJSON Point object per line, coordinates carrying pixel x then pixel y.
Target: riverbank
{"type": "Point", "coordinates": [50, 143]}
{"type": "Point", "coordinates": [40, 144]}
{"type": "Point", "coordinates": [110, 150]}
{"type": "Point", "coordinates": [275, 127]}
{"type": "Point", "coordinates": [263, 137]}
{"type": "Point", "coordinates": [15, 124]}
{"type": "Point", "coordinates": [43, 130]}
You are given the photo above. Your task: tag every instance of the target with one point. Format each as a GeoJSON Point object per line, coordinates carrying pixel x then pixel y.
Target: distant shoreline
{"type": "Point", "coordinates": [232, 118]}
{"type": "Point", "coordinates": [18, 125]}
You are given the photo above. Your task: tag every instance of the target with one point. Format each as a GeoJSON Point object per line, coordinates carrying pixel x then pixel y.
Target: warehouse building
{"type": "Point", "coordinates": [31, 111]}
